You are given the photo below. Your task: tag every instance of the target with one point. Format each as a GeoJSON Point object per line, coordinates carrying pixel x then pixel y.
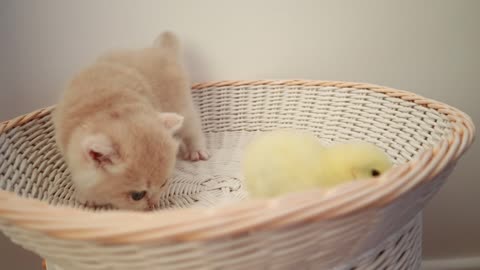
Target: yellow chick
{"type": "Point", "coordinates": [345, 162]}
{"type": "Point", "coordinates": [283, 161]}
{"type": "Point", "coordinates": [280, 161]}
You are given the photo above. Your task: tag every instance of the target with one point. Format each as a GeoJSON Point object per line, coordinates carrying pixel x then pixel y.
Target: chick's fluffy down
{"type": "Point", "coordinates": [281, 161]}
{"type": "Point", "coordinates": [284, 161]}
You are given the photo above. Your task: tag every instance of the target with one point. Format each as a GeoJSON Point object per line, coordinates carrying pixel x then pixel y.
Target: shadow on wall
{"type": "Point", "coordinates": [13, 256]}
{"type": "Point", "coordinates": [196, 63]}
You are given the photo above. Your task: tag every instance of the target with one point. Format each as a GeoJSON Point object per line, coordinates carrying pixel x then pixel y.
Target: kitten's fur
{"type": "Point", "coordinates": [116, 122]}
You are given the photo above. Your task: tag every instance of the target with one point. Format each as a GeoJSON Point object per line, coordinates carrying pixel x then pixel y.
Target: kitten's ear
{"type": "Point", "coordinates": [99, 149]}
{"type": "Point", "coordinates": [171, 121]}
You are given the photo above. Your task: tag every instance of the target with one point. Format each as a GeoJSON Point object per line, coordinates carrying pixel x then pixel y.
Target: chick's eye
{"type": "Point", "coordinates": [375, 173]}
{"type": "Point", "coordinates": [137, 196]}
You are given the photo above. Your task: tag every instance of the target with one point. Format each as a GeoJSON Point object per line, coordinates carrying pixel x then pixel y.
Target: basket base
{"type": "Point", "coordinates": [402, 250]}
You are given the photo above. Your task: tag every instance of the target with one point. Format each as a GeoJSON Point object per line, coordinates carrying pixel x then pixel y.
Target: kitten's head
{"type": "Point", "coordinates": [126, 163]}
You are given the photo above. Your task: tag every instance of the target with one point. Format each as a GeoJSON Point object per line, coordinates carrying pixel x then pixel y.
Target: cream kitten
{"type": "Point", "coordinates": [117, 122]}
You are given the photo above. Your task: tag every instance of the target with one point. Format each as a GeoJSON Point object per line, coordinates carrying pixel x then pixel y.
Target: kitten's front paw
{"type": "Point", "coordinates": [94, 205]}
{"type": "Point", "coordinates": [196, 155]}
{"type": "Point", "coordinates": [85, 201]}
{"type": "Point", "coordinates": [193, 148]}
{"type": "Point", "coordinates": [89, 204]}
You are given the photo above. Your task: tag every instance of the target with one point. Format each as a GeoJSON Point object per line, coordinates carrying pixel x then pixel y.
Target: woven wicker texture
{"type": "Point", "coordinates": [366, 225]}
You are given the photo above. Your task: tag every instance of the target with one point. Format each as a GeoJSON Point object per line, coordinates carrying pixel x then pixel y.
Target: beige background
{"type": "Point", "coordinates": [430, 47]}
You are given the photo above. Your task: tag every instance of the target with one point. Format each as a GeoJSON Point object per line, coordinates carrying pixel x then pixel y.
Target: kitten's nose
{"type": "Point", "coordinates": [151, 205]}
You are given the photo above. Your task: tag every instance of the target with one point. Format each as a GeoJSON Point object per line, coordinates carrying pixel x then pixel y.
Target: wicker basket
{"type": "Point", "coordinates": [366, 225]}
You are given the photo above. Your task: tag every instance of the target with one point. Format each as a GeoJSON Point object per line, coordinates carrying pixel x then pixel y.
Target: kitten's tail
{"type": "Point", "coordinates": [168, 41]}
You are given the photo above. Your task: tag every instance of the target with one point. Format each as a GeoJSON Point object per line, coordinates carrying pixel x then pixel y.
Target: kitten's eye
{"type": "Point", "coordinates": [375, 173]}
{"type": "Point", "coordinates": [137, 196]}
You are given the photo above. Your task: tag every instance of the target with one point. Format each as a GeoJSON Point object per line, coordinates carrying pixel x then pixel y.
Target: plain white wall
{"type": "Point", "coordinates": [430, 47]}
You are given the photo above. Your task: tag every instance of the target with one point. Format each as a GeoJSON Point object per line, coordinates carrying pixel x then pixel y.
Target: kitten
{"type": "Point", "coordinates": [118, 121]}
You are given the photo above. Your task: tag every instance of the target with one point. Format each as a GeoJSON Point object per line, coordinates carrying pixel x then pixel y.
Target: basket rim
{"type": "Point", "coordinates": [194, 224]}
